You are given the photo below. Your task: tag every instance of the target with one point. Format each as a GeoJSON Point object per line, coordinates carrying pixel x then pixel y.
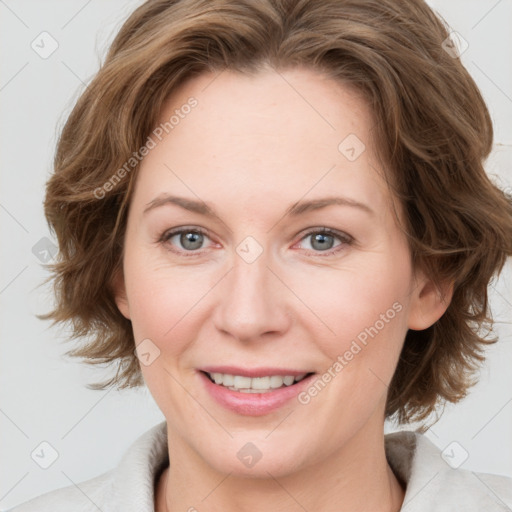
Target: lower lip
{"type": "Point", "coordinates": [253, 404]}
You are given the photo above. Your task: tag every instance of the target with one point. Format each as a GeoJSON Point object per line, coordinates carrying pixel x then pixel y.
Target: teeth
{"type": "Point", "coordinates": [255, 384]}
{"type": "Point", "coordinates": [288, 380]}
{"type": "Point", "coordinates": [275, 381]}
{"type": "Point", "coordinates": [260, 383]}
{"type": "Point", "coordinates": [239, 382]}
{"type": "Point", "coordinates": [227, 380]}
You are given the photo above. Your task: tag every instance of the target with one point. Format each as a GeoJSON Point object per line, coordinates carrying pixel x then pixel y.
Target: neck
{"type": "Point", "coordinates": [356, 478]}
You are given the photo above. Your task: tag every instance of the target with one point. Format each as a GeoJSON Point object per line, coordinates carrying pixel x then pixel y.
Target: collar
{"type": "Point", "coordinates": [431, 484]}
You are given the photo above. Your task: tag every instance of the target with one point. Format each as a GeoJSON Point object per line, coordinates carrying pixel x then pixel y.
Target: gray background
{"type": "Point", "coordinates": [43, 395]}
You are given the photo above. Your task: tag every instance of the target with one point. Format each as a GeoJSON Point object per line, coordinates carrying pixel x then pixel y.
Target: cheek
{"type": "Point", "coordinates": [164, 306]}
{"type": "Point", "coordinates": [365, 311]}
{"type": "Point", "coordinates": [365, 315]}
{"type": "Point", "coordinates": [168, 303]}
{"type": "Point", "coordinates": [355, 303]}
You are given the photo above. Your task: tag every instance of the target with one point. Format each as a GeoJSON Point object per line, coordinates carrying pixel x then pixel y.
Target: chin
{"type": "Point", "coordinates": [267, 467]}
{"type": "Point", "coordinates": [254, 457]}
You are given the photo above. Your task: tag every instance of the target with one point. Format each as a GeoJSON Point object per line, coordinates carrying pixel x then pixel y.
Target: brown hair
{"type": "Point", "coordinates": [432, 129]}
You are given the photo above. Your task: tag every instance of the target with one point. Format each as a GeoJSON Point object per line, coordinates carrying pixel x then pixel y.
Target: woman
{"type": "Point", "coordinates": [275, 215]}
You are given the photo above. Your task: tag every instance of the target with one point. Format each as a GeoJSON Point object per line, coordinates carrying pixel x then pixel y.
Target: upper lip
{"type": "Point", "coordinates": [253, 372]}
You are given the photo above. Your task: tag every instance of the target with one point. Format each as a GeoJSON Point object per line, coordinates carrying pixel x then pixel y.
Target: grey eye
{"type": "Point", "coordinates": [321, 241]}
{"type": "Point", "coordinates": [190, 240]}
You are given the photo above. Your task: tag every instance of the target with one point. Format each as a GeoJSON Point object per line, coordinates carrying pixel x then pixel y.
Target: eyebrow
{"type": "Point", "coordinates": [298, 208]}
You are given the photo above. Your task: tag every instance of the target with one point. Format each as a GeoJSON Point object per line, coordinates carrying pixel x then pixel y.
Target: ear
{"type": "Point", "coordinates": [119, 290]}
{"type": "Point", "coordinates": [429, 302]}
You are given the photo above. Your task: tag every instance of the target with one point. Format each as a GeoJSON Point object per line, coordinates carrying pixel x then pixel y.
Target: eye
{"type": "Point", "coordinates": [182, 240]}
{"type": "Point", "coordinates": [188, 241]}
{"type": "Point", "coordinates": [323, 240]}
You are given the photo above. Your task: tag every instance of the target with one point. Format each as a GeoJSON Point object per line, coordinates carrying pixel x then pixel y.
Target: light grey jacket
{"type": "Point", "coordinates": [432, 484]}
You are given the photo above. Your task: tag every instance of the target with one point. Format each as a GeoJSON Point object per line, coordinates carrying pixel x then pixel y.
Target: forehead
{"type": "Point", "coordinates": [298, 102]}
{"type": "Point", "coordinates": [291, 132]}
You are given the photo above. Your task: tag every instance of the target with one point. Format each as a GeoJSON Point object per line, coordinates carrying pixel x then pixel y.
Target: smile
{"type": "Point", "coordinates": [253, 392]}
{"type": "Point", "coordinates": [245, 384]}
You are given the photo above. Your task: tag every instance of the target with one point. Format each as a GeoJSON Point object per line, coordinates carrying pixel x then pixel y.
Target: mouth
{"type": "Point", "coordinates": [253, 392]}
{"type": "Point", "coordinates": [261, 384]}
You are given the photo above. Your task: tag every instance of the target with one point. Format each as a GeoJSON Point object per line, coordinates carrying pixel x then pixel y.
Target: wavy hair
{"type": "Point", "coordinates": [433, 131]}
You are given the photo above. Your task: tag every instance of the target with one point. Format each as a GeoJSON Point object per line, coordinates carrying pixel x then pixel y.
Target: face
{"type": "Point", "coordinates": [261, 243]}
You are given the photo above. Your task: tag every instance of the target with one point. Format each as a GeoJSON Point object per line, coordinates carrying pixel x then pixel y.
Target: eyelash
{"type": "Point", "coordinates": [344, 238]}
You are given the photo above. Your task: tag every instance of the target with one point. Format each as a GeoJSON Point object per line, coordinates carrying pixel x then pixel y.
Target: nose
{"type": "Point", "coordinates": [252, 302]}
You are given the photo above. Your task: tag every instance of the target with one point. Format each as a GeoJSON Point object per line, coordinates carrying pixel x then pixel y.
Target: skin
{"type": "Point", "coordinates": [252, 147]}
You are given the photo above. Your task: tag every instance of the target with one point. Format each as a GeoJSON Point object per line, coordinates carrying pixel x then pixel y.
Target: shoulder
{"type": "Point", "coordinates": [128, 487]}
{"type": "Point", "coordinates": [84, 497]}
{"type": "Point", "coordinates": [435, 481]}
